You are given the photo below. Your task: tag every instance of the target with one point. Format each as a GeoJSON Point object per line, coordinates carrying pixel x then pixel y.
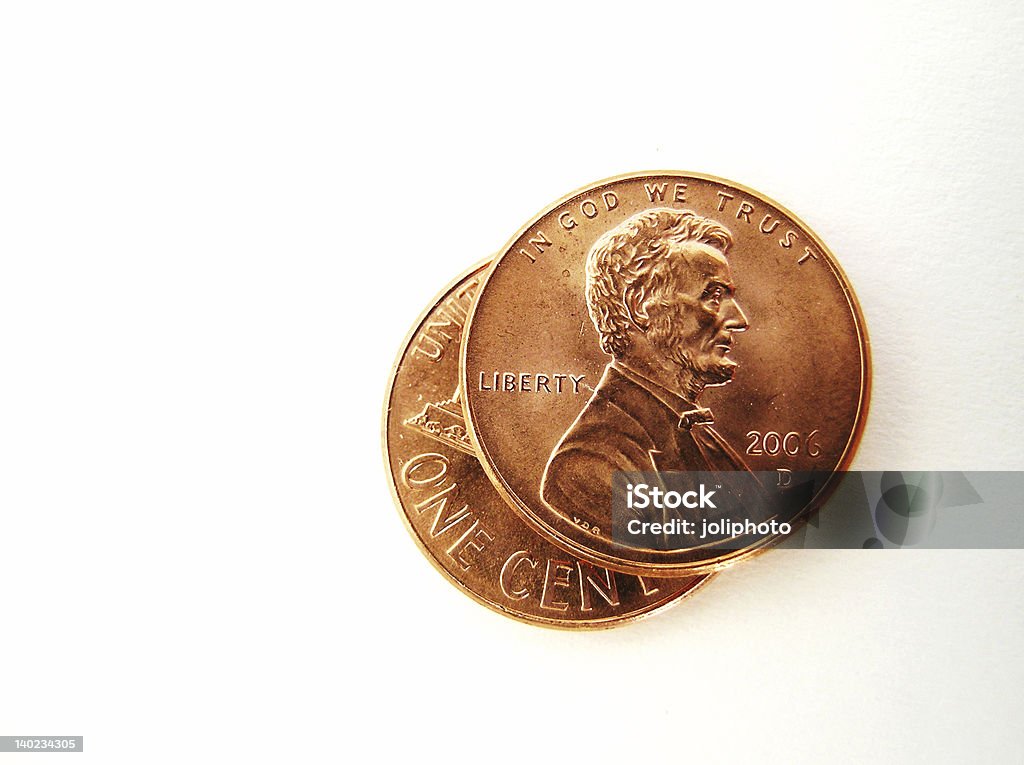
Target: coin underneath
{"type": "Point", "coordinates": [458, 519]}
{"type": "Point", "coordinates": [663, 324]}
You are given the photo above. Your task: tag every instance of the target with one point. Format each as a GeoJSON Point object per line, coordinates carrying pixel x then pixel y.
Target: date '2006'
{"type": "Point", "coordinates": [791, 443]}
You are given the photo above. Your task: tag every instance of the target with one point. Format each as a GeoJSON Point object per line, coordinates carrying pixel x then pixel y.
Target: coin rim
{"type": "Point", "coordinates": [720, 562]}
{"type": "Point", "coordinates": [607, 622]}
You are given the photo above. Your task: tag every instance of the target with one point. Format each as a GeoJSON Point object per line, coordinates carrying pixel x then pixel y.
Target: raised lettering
{"type": "Point", "coordinates": [508, 571]}
{"type": "Point", "coordinates": [556, 575]}
{"type": "Point", "coordinates": [601, 581]}
{"type": "Point", "coordinates": [655, 193]}
{"type": "Point", "coordinates": [443, 519]}
{"type": "Point", "coordinates": [474, 539]}
{"type": "Point", "coordinates": [808, 253]}
{"type": "Point", "coordinates": [539, 242]}
{"type": "Point", "coordinates": [765, 219]}
{"type": "Point", "coordinates": [416, 472]}
{"type": "Point", "coordinates": [646, 588]}
{"type": "Point", "coordinates": [434, 350]}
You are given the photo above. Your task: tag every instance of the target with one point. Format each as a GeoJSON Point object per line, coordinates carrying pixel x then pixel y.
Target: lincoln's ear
{"type": "Point", "coordinates": [635, 300]}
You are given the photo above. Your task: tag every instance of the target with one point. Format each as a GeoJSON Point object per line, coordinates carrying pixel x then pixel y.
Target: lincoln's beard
{"type": "Point", "coordinates": [700, 367]}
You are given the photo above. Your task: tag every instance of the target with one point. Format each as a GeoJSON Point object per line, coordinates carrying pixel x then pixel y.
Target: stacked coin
{"type": "Point", "coordinates": [546, 404]}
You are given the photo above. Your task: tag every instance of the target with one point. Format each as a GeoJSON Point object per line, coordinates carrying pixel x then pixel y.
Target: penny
{"type": "Point", "coordinates": [457, 518]}
{"type": "Point", "coordinates": [695, 326]}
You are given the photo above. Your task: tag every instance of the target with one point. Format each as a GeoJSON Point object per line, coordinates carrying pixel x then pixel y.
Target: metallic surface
{"type": "Point", "coordinates": [457, 518]}
{"type": "Point", "coordinates": [794, 397]}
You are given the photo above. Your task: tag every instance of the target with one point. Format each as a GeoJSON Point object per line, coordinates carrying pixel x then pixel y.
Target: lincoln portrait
{"type": "Point", "coordinates": [662, 298]}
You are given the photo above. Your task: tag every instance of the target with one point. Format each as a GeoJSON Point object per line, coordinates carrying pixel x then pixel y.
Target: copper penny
{"type": "Point", "coordinates": [662, 321]}
{"type": "Point", "coordinates": [457, 518]}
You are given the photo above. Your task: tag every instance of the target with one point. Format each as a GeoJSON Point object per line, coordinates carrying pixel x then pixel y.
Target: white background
{"type": "Point", "coordinates": [217, 223]}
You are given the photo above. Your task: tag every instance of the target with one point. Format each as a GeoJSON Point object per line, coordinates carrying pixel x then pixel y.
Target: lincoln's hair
{"type": "Point", "coordinates": [635, 257]}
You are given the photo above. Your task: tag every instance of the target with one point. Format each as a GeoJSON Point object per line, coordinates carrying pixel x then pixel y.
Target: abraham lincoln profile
{"type": "Point", "coordinates": [660, 294]}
